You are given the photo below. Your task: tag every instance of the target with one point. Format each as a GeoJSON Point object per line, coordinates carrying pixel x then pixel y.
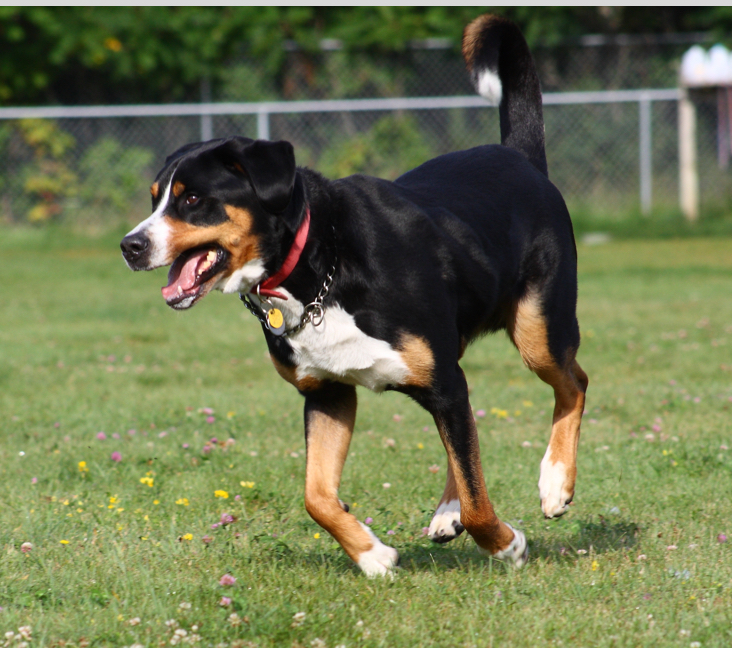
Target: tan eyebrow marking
{"type": "Point", "coordinates": [178, 189]}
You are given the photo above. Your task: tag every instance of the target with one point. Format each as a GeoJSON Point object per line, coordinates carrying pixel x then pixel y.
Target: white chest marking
{"type": "Point", "coordinates": [338, 350]}
{"type": "Point", "coordinates": [241, 280]}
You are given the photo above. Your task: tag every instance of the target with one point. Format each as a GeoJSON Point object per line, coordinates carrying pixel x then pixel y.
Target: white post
{"type": "Point", "coordinates": [206, 120]}
{"type": "Point", "coordinates": [263, 124]}
{"type": "Point", "coordinates": [646, 169]}
{"type": "Point", "coordinates": [688, 172]}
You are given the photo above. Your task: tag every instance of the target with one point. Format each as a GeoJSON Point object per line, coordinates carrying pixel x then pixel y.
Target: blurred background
{"type": "Point", "coordinates": [326, 79]}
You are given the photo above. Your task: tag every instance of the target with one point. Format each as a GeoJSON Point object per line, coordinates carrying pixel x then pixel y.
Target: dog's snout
{"type": "Point", "coordinates": [134, 246]}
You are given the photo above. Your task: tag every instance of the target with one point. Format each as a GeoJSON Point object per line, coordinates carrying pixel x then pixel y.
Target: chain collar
{"type": "Point", "coordinates": [314, 312]}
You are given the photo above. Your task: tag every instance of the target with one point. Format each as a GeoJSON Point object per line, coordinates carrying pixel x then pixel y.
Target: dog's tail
{"type": "Point", "coordinates": [503, 71]}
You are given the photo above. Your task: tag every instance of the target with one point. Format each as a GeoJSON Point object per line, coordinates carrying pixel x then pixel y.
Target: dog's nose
{"type": "Point", "coordinates": [134, 246]}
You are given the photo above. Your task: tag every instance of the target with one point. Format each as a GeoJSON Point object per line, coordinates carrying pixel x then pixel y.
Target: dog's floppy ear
{"type": "Point", "coordinates": [270, 167]}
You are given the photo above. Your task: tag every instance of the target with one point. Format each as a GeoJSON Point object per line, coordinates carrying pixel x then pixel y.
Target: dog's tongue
{"type": "Point", "coordinates": [182, 275]}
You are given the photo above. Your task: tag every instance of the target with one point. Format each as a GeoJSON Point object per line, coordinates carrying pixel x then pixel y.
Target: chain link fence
{"type": "Point", "coordinates": [94, 171]}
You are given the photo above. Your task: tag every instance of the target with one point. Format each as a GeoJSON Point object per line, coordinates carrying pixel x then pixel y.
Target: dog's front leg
{"type": "Point", "coordinates": [330, 413]}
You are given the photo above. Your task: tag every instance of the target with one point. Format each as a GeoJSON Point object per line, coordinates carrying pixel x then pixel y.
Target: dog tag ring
{"type": "Point", "coordinates": [275, 321]}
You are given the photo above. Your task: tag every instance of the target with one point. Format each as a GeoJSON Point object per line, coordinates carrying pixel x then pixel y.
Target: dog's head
{"type": "Point", "coordinates": [220, 212]}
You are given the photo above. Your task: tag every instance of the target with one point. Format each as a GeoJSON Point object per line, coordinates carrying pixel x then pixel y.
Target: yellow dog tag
{"type": "Point", "coordinates": [275, 321]}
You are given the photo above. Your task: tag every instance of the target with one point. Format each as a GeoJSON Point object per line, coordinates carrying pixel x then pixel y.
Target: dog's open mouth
{"type": "Point", "coordinates": [190, 276]}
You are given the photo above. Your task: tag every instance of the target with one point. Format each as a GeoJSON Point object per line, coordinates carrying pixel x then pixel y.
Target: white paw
{"type": "Point", "coordinates": [517, 553]}
{"type": "Point", "coordinates": [446, 525]}
{"type": "Point", "coordinates": [380, 560]}
{"type": "Point", "coordinates": [553, 492]}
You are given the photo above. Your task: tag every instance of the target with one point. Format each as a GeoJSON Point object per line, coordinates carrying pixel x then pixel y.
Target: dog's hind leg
{"type": "Point", "coordinates": [445, 524]}
{"type": "Point", "coordinates": [455, 422]}
{"type": "Point", "coordinates": [548, 341]}
{"type": "Point", "coordinates": [330, 413]}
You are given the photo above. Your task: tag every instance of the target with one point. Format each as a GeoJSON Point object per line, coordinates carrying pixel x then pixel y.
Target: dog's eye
{"type": "Point", "coordinates": [192, 199]}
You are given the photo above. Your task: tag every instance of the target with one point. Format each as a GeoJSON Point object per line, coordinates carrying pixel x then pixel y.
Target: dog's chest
{"type": "Point", "coordinates": [338, 350]}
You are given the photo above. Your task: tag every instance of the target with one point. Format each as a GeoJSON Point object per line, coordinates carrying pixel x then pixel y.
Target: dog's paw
{"type": "Point", "coordinates": [445, 524]}
{"type": "Point", "coordinates": [517, 553]}
{"type": "Point", "coordinates": [555, 490]}
{"type": "Point", "coordinates": [380, 560]}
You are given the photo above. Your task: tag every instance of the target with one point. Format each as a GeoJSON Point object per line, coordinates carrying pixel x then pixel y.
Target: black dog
{"type": "Point", "coordinates": [361, 281]}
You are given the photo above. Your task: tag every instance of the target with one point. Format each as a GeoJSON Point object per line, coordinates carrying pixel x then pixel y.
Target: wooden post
{"type": "Point", "coordinates": [688, 171]}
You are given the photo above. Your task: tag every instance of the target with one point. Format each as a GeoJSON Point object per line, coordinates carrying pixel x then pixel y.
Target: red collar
{"type": "Point", "coordinates": [266, 288]}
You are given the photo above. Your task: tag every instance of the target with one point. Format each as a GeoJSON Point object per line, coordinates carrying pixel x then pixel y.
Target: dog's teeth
{"type": "Point", "coordinates": [180, 290]}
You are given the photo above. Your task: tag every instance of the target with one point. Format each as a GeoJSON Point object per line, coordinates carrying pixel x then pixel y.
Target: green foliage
{"type": "Point", "coordinates": [161, 53]}
{"type": "Point", "coordinates": [48, 179]}
{"type": "Point", "coordinates": [112, 178]}
{"type": "Point", "coordinates": [392, 146]}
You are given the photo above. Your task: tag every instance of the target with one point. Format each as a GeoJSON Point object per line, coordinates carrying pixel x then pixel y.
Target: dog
{"type": "Point", "coordinates": [363, 281]}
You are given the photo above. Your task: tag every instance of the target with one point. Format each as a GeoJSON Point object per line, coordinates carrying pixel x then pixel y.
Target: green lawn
{"type": "Point", "coordinates": [93, 363]}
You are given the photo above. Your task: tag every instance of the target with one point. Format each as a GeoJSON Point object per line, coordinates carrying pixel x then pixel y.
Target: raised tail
{"type": "Point", "coordinates": [503, 71]}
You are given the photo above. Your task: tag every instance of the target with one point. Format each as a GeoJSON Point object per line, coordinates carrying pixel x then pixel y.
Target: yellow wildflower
{"type": "Point", "coordinates": [187, 536]}
{"type": "Point", "coordinates": [316, 536]}
{"type": "Point", "coordinates": [183, 501]}
{"type": "Point", "coordinates": [64, 542]}
{"type": "Point", "coordinates": [83, 467]}
{"type": "Point", "coordinates": [246, 484]}
{"type": "Point", "coordinates": [221, 493]}
{"type": "Point", "coordinates": [595, 565]}
{"type": "Point", "coordinates": [147, 480]}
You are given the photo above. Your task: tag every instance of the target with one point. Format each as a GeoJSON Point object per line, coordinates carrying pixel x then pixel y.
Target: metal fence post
{"type": "Point", "coordinates": [206, 119]}
{"type": "Point", "coordinates": [262, 124]}
{"type": "Point", "coordinates": [646, 169]}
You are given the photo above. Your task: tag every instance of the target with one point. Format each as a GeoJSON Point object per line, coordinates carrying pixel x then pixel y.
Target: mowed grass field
{"type": "Point", "coordinates": [129, 430]}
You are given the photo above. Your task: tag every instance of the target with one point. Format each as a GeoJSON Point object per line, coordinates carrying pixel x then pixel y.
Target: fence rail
{"type": "Point", "coordinates": [612, 148]}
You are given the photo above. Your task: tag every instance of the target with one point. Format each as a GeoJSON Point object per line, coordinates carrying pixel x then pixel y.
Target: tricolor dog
{"type": "Point", "coordinates": [362, 281]}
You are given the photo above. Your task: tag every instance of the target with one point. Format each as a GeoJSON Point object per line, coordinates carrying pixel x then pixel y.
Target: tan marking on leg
{"type": "Point", "coordinates": [155, 189]}
{"type": "Point", "coordinates": [476, 511]}
{"type": "Point", "coordinates": [234, 235]}
{"type": "Point", "coordinates": [328, 438]}
{"type": "Point", "coordinates": [450, 493]}
{"type": "Point", "coordinates": [528, 332]}
{"type": "Point", "coordinates": [527, 329]}
{"type": "Point", "coordinates": [417, 355]}
{"type": "Point", "coordinates": [304, 384]}
{"type": "Point", "coordinates": [178, 188]}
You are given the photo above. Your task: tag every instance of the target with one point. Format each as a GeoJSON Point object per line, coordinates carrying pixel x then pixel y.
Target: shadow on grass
{"type": "Point", "coordinates": [582, 536]}
{"type": "Point", "coordinates": [588, 535]}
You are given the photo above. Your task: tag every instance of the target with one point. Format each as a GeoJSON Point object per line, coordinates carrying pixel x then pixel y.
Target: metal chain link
{"type": "Point", "coordinates": [314, 312]}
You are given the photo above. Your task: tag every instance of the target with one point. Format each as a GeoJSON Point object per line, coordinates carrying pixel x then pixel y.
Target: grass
{"type": "Point", "coordinates": [88, 347]}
